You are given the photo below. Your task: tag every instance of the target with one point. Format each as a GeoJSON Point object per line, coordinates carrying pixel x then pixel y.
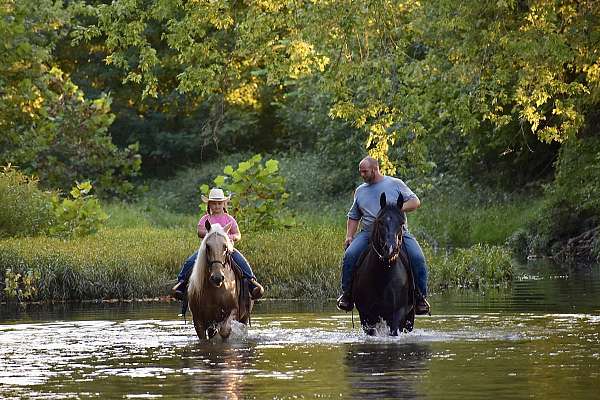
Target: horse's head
{"type": "Point", "coordinates": [387, 229]}
{"type": "Point", "coordinates": [218, 250]}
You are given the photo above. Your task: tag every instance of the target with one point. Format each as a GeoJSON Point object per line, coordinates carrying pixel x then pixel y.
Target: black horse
{"type": "Point", "coordinates": [383, 284]}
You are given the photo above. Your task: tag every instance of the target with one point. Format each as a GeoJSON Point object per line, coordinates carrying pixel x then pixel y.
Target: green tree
{"type": "Point", "coordinates": [49, 127]}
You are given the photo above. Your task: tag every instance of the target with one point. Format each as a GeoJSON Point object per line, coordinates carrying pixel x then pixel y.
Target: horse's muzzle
{"type": "Point", "coordinates": [217, 279]}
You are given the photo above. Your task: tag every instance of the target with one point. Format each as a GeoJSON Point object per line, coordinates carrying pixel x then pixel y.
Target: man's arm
{"type": "Point", "coordinates": [351, 227]}
{"type": "Point", "coordinates": [411, 204]}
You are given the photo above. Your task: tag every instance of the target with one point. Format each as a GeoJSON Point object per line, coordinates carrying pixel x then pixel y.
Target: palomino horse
{"type": "Point", "coordinates": [383, 286]}
{"type": "Point", "coordinates": [215, 294]}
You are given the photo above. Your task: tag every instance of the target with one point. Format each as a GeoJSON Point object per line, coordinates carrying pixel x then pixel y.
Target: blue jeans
{"type": "Point", "coordinates": [360, 244]}
{"type": "Point", "coordinates": [240, 260]}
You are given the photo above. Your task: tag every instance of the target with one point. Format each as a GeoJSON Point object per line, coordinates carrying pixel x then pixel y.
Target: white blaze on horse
{"type": "Point", "coordinates": [216, 295]}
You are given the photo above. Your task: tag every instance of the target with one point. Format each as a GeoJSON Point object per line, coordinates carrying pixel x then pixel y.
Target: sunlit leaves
{"type": "Point", "coordinates": [258, 193]}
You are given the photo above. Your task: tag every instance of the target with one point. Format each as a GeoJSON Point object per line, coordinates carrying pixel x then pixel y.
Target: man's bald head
{"type": "Point", "coordinates": [369, 170]}
{"type": "Point", "coordinates": [369, 162]}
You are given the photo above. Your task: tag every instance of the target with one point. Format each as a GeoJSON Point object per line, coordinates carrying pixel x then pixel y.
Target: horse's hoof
{"type": "Point", "coordinates": [394, 332]}
{"type": "Point", "coordinates": [370, 331]}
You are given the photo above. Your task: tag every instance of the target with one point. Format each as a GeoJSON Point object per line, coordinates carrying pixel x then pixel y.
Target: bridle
{"type": "Point", "coordinates": [377, 241]}
{"type": "Point", "coordinates": [226, 253]}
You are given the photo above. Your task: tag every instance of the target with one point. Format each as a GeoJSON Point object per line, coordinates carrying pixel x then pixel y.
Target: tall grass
{"type": "Point", "coordinates": [141, 262]}
{"type": "Point", "coordinates": [302, 262]}
{"type": "Point", "coordinates": [447, 221]}
{"type": "Point", "coordinates": [141, 250]}
{"type": "Point", "coordinates": [115, 263]}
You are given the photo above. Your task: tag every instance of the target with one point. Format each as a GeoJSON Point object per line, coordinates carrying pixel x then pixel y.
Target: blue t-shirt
{"type": "Point", "coordinates": [366, 199]}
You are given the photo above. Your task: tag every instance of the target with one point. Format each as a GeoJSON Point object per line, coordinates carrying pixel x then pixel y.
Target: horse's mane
{"type": "Point", "coordinates": [199, 274]}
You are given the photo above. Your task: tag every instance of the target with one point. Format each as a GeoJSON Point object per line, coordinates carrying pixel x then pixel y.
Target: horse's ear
{"type": "Point", "coordinates": [382, 200]}
{"type": "Point", "coordinates": [207, 225]}
{"type": "Point", "coordinates": [400, 201]}
{"type": "Point", "coordinates": [227, 227]}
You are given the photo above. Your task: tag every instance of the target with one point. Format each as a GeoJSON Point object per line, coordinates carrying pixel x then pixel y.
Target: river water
{"type": "Point", "coordinates": [538, 338]}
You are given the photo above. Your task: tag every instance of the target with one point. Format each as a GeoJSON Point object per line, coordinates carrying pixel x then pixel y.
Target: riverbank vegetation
{"type": "Point", "coordinates": [489, 110]}
{"type": "Point", "coordinates": [139, 251]}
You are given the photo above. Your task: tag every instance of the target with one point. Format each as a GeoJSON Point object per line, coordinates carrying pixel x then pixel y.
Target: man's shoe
{"type": "Point", "coordinates": [178, 290]}
{"type": "Point", "coordinates": [257, 291]}
{"type": "Point", "coordinates": [422, 307]}
{"type": "Point", "coordinates": [344, 302]}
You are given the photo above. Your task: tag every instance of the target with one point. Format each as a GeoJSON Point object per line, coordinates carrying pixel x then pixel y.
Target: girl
{"type": "Point", "coordinates": [216, 213]}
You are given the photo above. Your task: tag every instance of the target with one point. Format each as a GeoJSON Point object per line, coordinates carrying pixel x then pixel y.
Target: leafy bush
{"type": "Point", "coordinates": [26, 210]}
{"type": "Point", "coordinates": [20, 287]}
{"type": "Point", "coordinates": [65, 138]}
{"type": "Point", "coordinates": [259, 193]}
{"type": "Point", "coordinates": [78, 216]}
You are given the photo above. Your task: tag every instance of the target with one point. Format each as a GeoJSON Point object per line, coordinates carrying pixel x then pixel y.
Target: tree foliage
{"type": "Point", "coordinates": [49, 127]}
{"type": "Point", "coordinates": [414, 77]}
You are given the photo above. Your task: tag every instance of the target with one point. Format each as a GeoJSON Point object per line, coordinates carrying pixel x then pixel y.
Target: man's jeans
{"type": "Point", "coordinates": [413, 250]}
{"type": "Point", "coordinates": [240, 260]}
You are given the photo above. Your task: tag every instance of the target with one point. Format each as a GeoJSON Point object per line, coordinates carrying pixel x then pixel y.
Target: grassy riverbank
{"type": "Point", "coordinates": [139, 254]}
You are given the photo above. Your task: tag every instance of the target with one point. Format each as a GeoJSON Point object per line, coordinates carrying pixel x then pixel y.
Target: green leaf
{"type": "Point", "coordinates": [219, 181]}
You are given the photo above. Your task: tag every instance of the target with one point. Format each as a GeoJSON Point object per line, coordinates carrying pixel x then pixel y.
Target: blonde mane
{"type": "Point", "coordinates": [199, 274]}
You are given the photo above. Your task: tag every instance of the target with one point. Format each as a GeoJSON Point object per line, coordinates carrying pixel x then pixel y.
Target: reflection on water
{"type": "Point", "coordinates": [539, 338]}
{"type": "Point", "coordinates": [387, 371]}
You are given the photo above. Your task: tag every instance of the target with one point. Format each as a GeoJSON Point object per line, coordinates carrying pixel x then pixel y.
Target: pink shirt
{"type": "Point", "coordinates": [221, 219]}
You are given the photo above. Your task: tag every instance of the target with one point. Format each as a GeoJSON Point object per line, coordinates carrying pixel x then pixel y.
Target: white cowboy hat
{"type": "Point", "coordinates": [215, 194]}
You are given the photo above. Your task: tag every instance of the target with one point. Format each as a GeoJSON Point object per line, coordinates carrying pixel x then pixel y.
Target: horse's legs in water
{"type": "Point", "coordinates": [368, 324]}
{"type": "Point", "coordinates": [225, 326]}
{"type": "Point", "coordinates": [409, 321]}
{"type": "Point", "coordinates": [200, 330]}
{"type": "Point", "coordinates": [212, 330]}
{"type": "Point", "coordinates": [394, 322]}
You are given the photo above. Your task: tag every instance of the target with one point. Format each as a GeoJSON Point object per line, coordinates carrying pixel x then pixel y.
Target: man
{"type": "Point", "coordinates": [365, 208]}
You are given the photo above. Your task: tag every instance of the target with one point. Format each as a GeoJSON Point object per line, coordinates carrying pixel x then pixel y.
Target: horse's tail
{"type": "Point", "coordinates": [198, 276]}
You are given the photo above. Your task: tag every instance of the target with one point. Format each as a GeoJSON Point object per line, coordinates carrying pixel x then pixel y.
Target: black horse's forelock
{"type": "Point", "coordinates": [378, 224]}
